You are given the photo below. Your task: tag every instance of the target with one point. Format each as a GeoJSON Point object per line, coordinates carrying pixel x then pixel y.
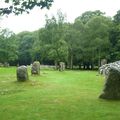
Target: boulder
{"type": "Point", "coordinates": [61, 66]}
{"type": "Point", "coordinates": [22, 73]}
{"type": "Point", "coordinates": [112, 83]}
{"type": "Point", "coordinates": [35, 69]}
{"type": "Point", "coordinates": [103, 62]}
{"type": "Point", "coordinates": [1, 65]}
{"type": "Point", "coordinates": [6, 64]}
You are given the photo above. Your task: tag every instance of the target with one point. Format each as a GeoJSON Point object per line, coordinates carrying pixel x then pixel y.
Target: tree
{"type": "Point", "coordinates": [97, 38]}
{"type": "Point", "coordinates": [114, 38]}
{"type": "Point", "coordinates": [117, 17]}
{"type": "Point", "coordinates": [52, 39]}
{"type": "Point", "coordinates": [86, 16]}
{"type": "Point", "coordinates": [58, 51]}
{"type": "Point", "coordinates": [72, 37]}
{"type": "Point", "coordinates": [25, 43]}
{"type": "Point", "coordinates": [19, 6]}
{"type": "Point", "coordinates": [94, 42]}
{"type": "Point", "coordinates": [89, 39]}
{"type": "Point", "coordinates": [8, 46]}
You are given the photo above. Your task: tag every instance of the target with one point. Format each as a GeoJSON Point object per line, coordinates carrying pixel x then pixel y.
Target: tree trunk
{"type": "Point", "coordinates": [92, 66]}
{"type": "Point", "coordinates": [79, 66]}
{"type": "Point", "coordinates": [56, 65]}
{"type": "Point", "coordinates": [71, 62]}
{"type": "Point", "coordinates": [88, 66]}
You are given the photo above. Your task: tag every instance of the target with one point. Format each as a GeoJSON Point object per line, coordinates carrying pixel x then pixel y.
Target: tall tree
{"type": "Point", "coordinates": [53, 38]}
{"type": "Point", "coordinates": [97, 38]}
{"type": "Point", "coordinates": [86, 16]}
{"type": "Point", "coordinates": [117, 17]}
{"type": "Point", "coordinates": [114, 38]}
{"type": "Point", "coordinates": [25, 41]}
{"type": "Point", "coordinates": [72, 37]}
{"type": "Point", "coordinates": [8, 46]}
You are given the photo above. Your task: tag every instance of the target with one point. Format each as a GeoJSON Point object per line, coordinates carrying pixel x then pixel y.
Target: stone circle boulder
{"type": "Point", "coordinates": [6, 64]}
{"type": "Point", "coordinates": [22, 73]}
{"type": "Point", "coordinates": [61, 66]}
{"type": "Point", "coordinates": [1, 64]}
{"type": "Point", "coordinates": [103, 62]}
{"type": "Point", "coordinates": [112, 84]}
{"type": "Point", "coordinates": [35, 69]}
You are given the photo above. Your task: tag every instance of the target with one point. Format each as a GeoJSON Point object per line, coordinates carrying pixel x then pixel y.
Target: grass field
{"type": "Point", "coordinates": [54, 95]}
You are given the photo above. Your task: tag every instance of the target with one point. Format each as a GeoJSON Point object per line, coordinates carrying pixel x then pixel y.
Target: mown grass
{"type": "Point", "coordinates": [54, 95]}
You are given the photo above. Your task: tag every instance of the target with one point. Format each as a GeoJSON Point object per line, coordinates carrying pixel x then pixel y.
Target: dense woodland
{"type": "Point", "coordinates": [93, 36]}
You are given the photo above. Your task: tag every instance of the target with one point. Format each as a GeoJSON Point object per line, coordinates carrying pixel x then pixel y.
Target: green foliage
{"type": "Point", "coordinates": [98, 35]}
{"type": "Point", "coordinates": [86, 16]}
{"type": "Point", "coordinates": [25, 41]}
{"type": "Point", "coordinates": [91, 37]}
{"type": "Point", "coordinates": [8, 46]}
{"type": "Point", "coordinates": [117, 17]}
{"type": "Point", "coordinates": [115, 37]}
{"type": "Point", "coordinates": [58, 51]}
{"type": "Point", "coordinates": [20, 6]}
{"type": "Point", "coordinates": [72, 37]}
{"type": "Point", "coordinates": [52, 38]}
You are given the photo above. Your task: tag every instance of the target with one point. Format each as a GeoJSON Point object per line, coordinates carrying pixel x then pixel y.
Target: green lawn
{"type": "Point", "coordinates": [54, 95]}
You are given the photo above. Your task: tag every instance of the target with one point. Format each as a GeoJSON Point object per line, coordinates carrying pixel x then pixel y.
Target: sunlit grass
{"type": "Point", "coordinates": [54, 95]}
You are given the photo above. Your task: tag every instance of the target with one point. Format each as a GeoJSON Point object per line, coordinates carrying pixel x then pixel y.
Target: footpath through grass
{"type": "Point", "coordinates": [54, 95]}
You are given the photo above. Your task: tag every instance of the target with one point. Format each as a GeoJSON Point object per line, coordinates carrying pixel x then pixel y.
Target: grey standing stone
{"type": "Point", "coordinates": [6, 64]}
{"type": "Point", "coordinates": [61, 66]}
{"type": "Point", "coordinates": [1, 64]}
{"type": "Point", "coordinates": [22, 73]}
{"type": "Point", "coordinates": [103, 62]}
{"type": "Point", "coordinates": [35, 68]}
{"type": "Point", "coordinates": [112, 84]}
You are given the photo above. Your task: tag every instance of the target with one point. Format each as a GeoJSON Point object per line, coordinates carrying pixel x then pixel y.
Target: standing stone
{"type": "Point", "coordinates": [112, 85]}
{"type": "Point", "coordinates": [22, 73]}
{"type": "Point", "coordinates": [6, 64]}
{"type": "Point", "coordinates": [61, 66]}
{"type": "Point", "coordinates": [1, 65]}
{"type": "Point", "coordinates": [103, 62]}
{"type": "Point", "coordinates": [35, 68]}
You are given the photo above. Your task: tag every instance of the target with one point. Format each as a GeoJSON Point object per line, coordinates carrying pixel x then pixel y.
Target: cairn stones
{"type": "Point", "coordinates": [112, 85]}
{"type": "Point", "coordinates": [22, 73]}
{"type": "Point", "coordinates": [61, 66]}
{"type": "Point", "coordinates": [35, 68]}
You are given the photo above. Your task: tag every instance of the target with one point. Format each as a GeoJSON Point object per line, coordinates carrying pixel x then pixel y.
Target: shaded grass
{"type": "Point", "coordinates": [54, 95]}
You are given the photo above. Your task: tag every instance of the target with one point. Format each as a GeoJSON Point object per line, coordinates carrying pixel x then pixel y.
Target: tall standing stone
{"type": "Point", "coordinates": [22, 73]}
{"type": "Point", "coordinates": [35, 68]}
{"type": "Point", "coordinates": [112, 85]}
{"type": "Point", "coordinates": [61, 66]}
